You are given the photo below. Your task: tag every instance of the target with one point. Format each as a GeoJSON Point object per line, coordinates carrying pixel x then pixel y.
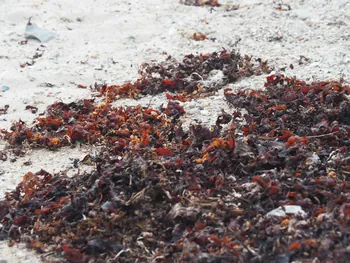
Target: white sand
{"type": "Point", "coordinates": [106, 41]}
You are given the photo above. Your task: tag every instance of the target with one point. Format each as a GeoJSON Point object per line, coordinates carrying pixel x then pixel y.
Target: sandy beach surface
{"type": "Point", "coordinates": [106, 41]}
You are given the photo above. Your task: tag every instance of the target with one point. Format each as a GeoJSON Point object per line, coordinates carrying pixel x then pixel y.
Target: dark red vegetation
{"type": "Point", "coordinates": [188, 79]}
{"type": "Point", "coordinates": [162, 194]}
{"type": "Point", "coordinates": [4, 109]}
{"type": "Point", "coordinates": [200, 2]}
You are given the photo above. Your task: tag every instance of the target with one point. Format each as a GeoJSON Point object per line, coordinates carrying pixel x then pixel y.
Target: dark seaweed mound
{"type": "Point", "coordinates": [162, 194]}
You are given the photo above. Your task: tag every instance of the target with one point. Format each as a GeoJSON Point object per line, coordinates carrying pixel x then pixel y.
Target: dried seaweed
{"type": "Point", "coordinates": [84, 122]}
{"type": "Point", "coordinates": [272, 187]}
{"type": "Point", "coordinates": [189, 78]}
{"type": "Point", "coordinates": [4, 109]}
{"type": "Point", "coordinates": [199, 36]}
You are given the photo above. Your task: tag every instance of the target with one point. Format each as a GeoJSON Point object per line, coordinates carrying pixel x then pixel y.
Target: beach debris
{"type": "Point", "coordinates": [3, 155]}
{"type": "Point", "coordinates": [303, 60]}
{"type": "Point", "coordinates": [4, 109]}
{"type": "Point", "coordinates": [81, 86]}
{"type": "Point", "coordinates": [200, 2]}
{"type": "Point", "coordinates": [47, 85]}
{"type": "Point", "coordinates": [281, 6]}
{"type": "Point", "coordinates": [199, 36]}
{"type": "Point", "coordinates": [313, 160]}
{"type": "Point", "coordinates": [33, 31]}
{"type": "Point", "coordinates": [27, 163]}
{"type": "Point", "coordinates": [33, 109]}
{"type": "Point", "coordinates": [5, 88]}
{"type": "Point", "coordinates": [23, 42]}
{"type": "Point", "coordinates": [188, 79]}
{"type": "Point", "coordinates": [176, 186]}
{"type": "Point", "coordinates": [39, 52]}
{"type": "Point", "coordinates": [277, 37]}
{"type": "Point", "coordinates": [22, 65]}
{"type": "Point", "coordinates": [283, 211]}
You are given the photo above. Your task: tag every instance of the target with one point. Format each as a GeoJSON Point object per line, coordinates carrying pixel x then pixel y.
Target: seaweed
{"type": "Point", "coordinates": [267, 184]}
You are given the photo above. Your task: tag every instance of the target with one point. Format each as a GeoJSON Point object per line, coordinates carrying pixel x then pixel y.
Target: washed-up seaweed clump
{"type": "Point", "coordinates": [271, 187]}
{"type": "Point", "coordinates": [85, 122]}
{"type": "Point", "coordinates": [194, 77]}
{"type": "Point", "coordinates": [4, 109]}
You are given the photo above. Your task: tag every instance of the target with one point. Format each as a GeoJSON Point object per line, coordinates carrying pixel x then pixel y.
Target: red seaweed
{"type": "Point", "coordinates": [273, 188]}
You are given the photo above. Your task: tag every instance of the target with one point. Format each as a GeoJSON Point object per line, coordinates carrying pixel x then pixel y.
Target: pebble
{"type": "Point", "coordinates": [3, 261]}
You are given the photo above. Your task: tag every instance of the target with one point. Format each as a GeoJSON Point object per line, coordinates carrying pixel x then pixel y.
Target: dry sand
{"type": "Point", "coordinates": [107, 40]}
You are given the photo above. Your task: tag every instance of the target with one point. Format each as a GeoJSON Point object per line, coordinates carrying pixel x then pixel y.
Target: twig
{"type": "Point", "coordinates": [106, 99]}
{"type": "Point", "coordinates": [137, 196]}
{"type": "Point", "coordinates": [121, 252]}
{"type": "Point", "coordinates": [307, 137]}
{"type": "Point", "coordinates": [237, 41]}
{"type": "Point", "coordinates": [321, 135]}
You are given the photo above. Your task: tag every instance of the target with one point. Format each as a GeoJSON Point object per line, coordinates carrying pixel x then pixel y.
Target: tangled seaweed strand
{"type": "Point", "coordinates": [161, 194]}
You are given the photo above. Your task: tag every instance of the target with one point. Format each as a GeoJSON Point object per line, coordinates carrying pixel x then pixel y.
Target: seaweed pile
{"type": "Point", "coordinates": [84, 122]}
{"type": "Point", "coordinates": [271, 187]}
{"type": "Point", "coordinates": [188, 79]}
